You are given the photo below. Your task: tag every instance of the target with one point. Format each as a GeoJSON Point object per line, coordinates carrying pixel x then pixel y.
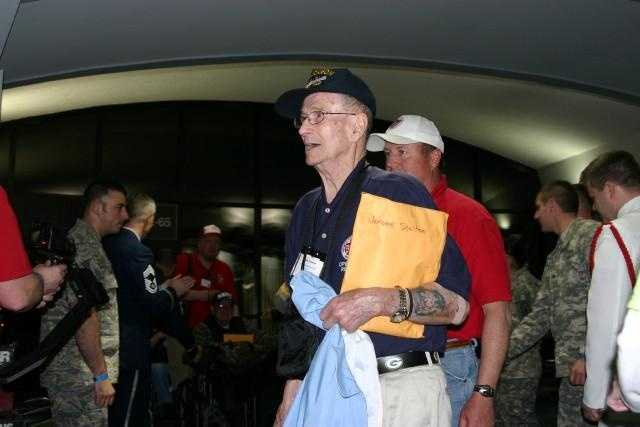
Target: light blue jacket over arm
{"type": "Point", "coordinates": [330, 394]}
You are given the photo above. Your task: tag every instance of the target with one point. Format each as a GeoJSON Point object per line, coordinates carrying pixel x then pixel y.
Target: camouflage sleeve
{"type": "Point", "coordinates": [56, 311]}
{"type": "Point", "coordinates": [534, 326]}
{"type": "Point", "coordinates": [531, 287]}
{"type": "Point", "coordinates": [68, 298]}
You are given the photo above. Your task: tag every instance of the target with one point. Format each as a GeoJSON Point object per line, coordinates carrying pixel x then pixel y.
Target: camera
{"type": "Point", "coordinates": [51, 243]}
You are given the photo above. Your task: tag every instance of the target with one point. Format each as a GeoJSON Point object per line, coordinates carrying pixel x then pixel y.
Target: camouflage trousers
{"type": "Point", "coordinates": [570, 405]}
{"type": "Point", "coordinates": [516, 402]}
{"type": "Point", "coordinates": [75, 407]}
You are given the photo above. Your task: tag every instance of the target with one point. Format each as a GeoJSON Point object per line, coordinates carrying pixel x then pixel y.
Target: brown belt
{"type": "Point", "coordinates": [458, 344]}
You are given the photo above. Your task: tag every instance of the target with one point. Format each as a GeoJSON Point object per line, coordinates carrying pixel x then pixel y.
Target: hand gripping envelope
{"type": "Point", "coordinates": [394, 244]}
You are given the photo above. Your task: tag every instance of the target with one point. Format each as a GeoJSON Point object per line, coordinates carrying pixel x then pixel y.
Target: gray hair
{"type": "Point", "coordinates": [351, 102]}
{"type": "Point", "coordinates": [141, 206]}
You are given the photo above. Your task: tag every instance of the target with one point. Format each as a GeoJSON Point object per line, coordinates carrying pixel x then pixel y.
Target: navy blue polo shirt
{"type": "Point", "coordinates": [320, 225]}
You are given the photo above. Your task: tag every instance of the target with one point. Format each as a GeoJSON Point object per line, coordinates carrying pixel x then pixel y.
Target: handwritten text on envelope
{"type": "Point", "coordinates": [394, 244]}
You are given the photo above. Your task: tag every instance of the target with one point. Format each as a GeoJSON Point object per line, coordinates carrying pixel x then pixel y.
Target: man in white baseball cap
{"type": "Point", "coordinates": [211, 275]}
{"type": "Point", "coordinates": [407, 129]}
{"type": "Point", "coordinates": [413, 145]}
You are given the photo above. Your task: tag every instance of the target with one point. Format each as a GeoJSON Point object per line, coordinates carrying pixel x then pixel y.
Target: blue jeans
{"type": "Point", "coordinates": [161, 380]}
{"type": "Point", "coordinates": [460, 366]}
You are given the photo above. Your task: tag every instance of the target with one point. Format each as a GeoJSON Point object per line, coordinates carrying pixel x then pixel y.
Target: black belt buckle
{"type": "Point", "coordinates": [407, 360]}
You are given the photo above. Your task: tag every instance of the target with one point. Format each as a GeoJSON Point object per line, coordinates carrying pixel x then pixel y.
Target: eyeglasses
{"type": "Point", "coordinates": [314, 117]}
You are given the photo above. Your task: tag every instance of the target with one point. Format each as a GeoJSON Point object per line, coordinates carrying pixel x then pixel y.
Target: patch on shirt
{"type": "Point", "coordinates": [344, 249]}
{"type": "Point", "coordinates": [150, 283]}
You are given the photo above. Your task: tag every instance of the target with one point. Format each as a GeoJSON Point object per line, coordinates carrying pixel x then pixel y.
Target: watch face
{"type": "Point", "coordinates": [397, 318]}
{"type": "Point", "coordinates": [485, 390]}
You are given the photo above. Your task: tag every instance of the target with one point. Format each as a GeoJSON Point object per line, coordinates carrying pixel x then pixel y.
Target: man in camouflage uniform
{"type": "Point", "coordinates": [518, 386]}
{"type": "Point", "coordinates": [561, 303]}
{"type": "Point", "coordinates": [79, 378]}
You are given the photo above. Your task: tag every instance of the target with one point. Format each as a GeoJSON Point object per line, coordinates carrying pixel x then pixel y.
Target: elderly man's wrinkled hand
{"type": "Point", "coordinates": [354, 308]}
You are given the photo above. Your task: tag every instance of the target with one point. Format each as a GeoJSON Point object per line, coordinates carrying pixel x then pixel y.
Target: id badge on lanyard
{"type": "Point", "coordinates": [309, 260]}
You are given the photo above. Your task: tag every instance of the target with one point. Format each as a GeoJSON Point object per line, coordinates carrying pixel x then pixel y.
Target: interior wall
{"type": "Point", "coordinates": [571, 168]}
{"type": "Point", "coordinates": [234, 164]}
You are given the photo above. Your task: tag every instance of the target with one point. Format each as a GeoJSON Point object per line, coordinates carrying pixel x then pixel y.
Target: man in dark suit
{"type": "Point", "coordinates": [140, 300]}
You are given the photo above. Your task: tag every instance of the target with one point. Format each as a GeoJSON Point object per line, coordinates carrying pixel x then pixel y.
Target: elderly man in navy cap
{"type": "Point", "coordinates": [334, 115]}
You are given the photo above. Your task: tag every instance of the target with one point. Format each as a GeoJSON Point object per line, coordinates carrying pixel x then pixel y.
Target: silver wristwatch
{"type": "Point", "coordinates": [402, 313]}
{"type": "Point", "coordinates": [484, 390]}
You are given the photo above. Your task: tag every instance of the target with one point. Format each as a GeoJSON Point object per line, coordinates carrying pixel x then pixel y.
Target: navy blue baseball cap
{"type": "Point", "coordinates": [333, 80]}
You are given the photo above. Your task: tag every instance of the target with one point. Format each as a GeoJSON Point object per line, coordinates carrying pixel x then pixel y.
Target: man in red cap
{"type": "Point", "coordinates": [211, 275]}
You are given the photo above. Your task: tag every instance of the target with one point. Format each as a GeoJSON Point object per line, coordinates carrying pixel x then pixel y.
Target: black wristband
{"type": "Point", "coordinates": [173, 293]}
{"type": "Point", "coordinates": [410, 302]}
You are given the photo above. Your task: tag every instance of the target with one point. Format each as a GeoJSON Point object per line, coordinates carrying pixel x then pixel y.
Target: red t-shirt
{"type": "Point", "coordinates": [14, 262]}
{"type": "Point", "coordinates": [219, 276]}
{"type": "Point", "coordinates": [479, 239]}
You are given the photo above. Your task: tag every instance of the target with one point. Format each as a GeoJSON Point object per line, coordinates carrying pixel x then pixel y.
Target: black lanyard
{"type": "Point", "coordinates": [350, 204]}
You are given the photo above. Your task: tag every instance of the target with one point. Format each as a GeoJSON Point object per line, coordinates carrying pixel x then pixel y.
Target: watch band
{"type": "Point", "coordinates": [172, 294]}
{"type": "Point", "coordinates": [402, 313]}
{"type": "Point", "coordinates": [485, 390]}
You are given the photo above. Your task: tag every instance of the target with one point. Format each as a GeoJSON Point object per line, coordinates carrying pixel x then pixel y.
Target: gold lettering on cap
{"type": "Point", "coordinates": [318, 75]}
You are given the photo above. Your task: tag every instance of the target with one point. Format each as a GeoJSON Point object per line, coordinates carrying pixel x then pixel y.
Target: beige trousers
{"type": "Point", "coordinates": [415, 397]}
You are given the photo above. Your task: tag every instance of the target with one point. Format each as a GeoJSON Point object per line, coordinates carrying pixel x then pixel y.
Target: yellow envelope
{"type": "Point", "coordinates": [238, 337]}
{"type": "Point", "coordinates": [394, 244]}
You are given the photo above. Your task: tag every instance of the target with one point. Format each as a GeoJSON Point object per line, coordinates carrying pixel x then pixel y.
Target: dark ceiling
{"type": "Point", "coordinates": [537, 81]}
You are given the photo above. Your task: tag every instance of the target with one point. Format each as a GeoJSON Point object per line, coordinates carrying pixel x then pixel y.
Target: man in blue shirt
{"type": "Point", "coordinates": [334, 114]}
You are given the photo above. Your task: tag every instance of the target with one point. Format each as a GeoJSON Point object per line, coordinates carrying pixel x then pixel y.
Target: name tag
{"type": "Point", "coordinates": [206, 283]}
{"type": "Point", "coordinates": [309, 260]}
